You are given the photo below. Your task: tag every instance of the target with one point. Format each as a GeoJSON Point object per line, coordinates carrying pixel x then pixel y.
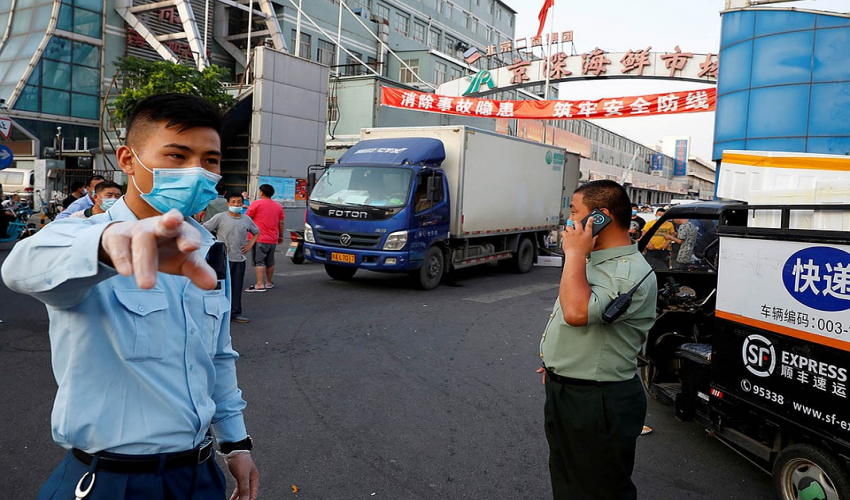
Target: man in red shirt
{"type": "Point", "coordinates": [268, 215]}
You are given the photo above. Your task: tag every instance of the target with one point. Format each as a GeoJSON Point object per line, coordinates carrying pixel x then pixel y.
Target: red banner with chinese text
{"type": "Point", "coordinates": [691, 101]}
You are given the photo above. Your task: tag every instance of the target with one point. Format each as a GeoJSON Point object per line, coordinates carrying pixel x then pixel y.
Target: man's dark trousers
{"type": "Point", "coordinates": [592, 432]}
{"type": "Point", "coordinates": [237, 281]}
{"type": "Point", "coordinates": [199, 482]}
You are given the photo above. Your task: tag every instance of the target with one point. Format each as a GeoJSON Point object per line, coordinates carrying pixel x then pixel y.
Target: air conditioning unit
{"type": "Point", "coordinates": [362, 12]}
{"type": "Point", "coordinates": [122, 133]}
{"type": "Point", "coordinates": [375, 18]}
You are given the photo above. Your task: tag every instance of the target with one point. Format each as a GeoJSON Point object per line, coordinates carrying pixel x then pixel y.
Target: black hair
{"type": "Point", "coordinates": [661, 209]}
{"type": "Point", "coordinates": [77, 185]}
{"type": "Point", "coordinates": [232, 195]}
{"type": "Point", "coordinates": [267, 189]}
{"type": "Point", "coordinates": [611, 195]}
{"type": "Point", "coordinates": [106, 185]}
{"type": "Point", "coordinates": [183, 111]}
{"type": "Point", "coordinates": [220, 188]}
{"type": "Point", "coordinates": [93, 178]}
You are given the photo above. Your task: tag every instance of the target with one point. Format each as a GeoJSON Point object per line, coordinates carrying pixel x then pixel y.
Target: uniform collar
{"type": "Point", "coordinates": [599, 256]}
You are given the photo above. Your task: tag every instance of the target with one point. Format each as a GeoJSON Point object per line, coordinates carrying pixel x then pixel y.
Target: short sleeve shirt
{"type": "Point", "coordinates": [600, 351]}
{"type": "Point", "coordinates": [267, 214]}
{"type": "Point", "coordinates": [232, 231]}
{"type": "Point", "coordinates": [688, 234]}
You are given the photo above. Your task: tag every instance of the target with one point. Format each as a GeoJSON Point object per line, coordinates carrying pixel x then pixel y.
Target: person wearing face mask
{"type": "Point", "coordinates": [636, 224]}
{"type": "Point", "coordinates": [105, 195]}
{"type": "Point", "coordinates": [232, 228]}
{"type": "Point", "coordinates": [86, 201]}
{"type": "Point", "coordinates": [595, 404]}
{"type": "Point", "coordinates": [140, 323]}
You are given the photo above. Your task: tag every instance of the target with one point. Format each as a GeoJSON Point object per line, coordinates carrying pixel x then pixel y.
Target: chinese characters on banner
{"type": "Point", "coordinates": [693, 101]}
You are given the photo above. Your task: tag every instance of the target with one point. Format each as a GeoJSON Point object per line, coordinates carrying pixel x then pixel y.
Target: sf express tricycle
{"type": "Point", "coordinates": [752, 339]}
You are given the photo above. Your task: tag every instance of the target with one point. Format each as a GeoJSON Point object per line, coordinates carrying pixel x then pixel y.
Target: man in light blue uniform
{"type": "Point", "coordinates": [139, 324]}
{"type": "Point", "coordinates": [85, 202]}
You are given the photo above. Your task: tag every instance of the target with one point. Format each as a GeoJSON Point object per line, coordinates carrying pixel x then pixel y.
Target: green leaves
{"type": "Point", "coordinates": [143, 78]}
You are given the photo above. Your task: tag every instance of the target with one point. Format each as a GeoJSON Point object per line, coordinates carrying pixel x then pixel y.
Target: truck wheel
{"type": "Point", "coordinates": [431, 272]}
{"type": "Point", "coordinates": [523, 260]}
{"type": "Point", "coordinates": [805, 471]}
{"type": "Point", "coordinates": [342, 273]}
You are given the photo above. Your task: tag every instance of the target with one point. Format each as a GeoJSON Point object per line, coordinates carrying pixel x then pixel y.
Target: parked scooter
{"type": "Point", "coordinates": [296, 248]}
{"type": "Point", "coordinates": [19, 228]}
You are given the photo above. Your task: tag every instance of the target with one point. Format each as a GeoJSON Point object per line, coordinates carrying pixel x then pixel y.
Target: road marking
{"type": "Point", "coordinates": [489, 298]}
{"type": "Point", "coordinates": [300, 273]}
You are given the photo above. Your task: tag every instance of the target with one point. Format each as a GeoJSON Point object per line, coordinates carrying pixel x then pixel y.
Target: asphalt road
{"type": "Point", "coordinates": [371, 389]}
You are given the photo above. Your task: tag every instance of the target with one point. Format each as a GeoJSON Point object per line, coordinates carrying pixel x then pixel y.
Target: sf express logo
{"type": "Point", "coordinates": [759, 356]}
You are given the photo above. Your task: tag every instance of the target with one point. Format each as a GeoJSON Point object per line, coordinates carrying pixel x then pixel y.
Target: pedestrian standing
{"type": "Point", "coordinates": [658, 249]}
{"type": "Point", "coordinates": [105, 195]}
{"type": "Point", "coordinates": [268, 215]}
{"type": "Point", "coordinates": [139, 328]}
{"type": "Point", "coordinates": [595, 404]}
{"type": "Point", "coordinates": [217, 206]}
{"type": "Point", "coordinates": [78, 190]}
{"type": "Point", "coordinates": [686, 238]}
{"type": "Point", "coordinates": [232, 228]}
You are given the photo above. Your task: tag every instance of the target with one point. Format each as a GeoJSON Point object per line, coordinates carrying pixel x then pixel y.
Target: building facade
{"type": "Point", "coordinates": [58, 63]}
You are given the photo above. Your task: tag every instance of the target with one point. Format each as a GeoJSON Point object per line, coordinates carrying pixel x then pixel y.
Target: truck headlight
{"type": "Point", "coordinates": [308, 233]}
{"type": "Point", "coordinates": [396, 240]}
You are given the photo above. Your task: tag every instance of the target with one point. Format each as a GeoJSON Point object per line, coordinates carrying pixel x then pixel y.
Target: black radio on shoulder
{"type": "Point", "coordinates": [619, 305]}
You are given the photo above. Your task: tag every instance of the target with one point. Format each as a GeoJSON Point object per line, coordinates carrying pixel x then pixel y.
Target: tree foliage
{"type": "Point", "coordinates": [143, 78]}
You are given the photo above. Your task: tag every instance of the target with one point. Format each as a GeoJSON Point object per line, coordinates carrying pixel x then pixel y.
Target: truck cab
{"type": "Point", "coordinates": [381, 207]}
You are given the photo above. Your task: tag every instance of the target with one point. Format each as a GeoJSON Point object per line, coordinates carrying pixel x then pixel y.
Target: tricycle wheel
{"type": "Point", "coordinates": [297, 259]}
{"type": "Point", "coordinates": [342, 273]}
{"type": "Point", "coordinates": [803, 471]}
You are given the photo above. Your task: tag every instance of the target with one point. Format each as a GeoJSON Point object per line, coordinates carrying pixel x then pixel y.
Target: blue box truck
{"type": "Point", "coordinates": [430, 200]}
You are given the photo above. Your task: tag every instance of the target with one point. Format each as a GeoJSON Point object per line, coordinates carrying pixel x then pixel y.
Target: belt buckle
{"type": "Point", "coordinates": [204, 451]}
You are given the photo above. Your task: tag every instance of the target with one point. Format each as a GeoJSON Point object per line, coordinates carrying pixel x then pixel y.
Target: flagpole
{"type": "Point", "coordinates": [546, 65]}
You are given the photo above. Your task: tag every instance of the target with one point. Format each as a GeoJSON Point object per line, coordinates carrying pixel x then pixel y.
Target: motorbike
{"type": "Point", "coordinates": [296, 248]}
{"type": "Point", "coordinates": [19, 228]}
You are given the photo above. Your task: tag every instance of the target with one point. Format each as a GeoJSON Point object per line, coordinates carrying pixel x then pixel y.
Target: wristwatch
{"type": "Point", "coordinates": [245, 444]}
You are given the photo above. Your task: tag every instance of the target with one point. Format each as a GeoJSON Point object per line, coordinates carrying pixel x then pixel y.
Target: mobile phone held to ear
{"type": "Point", "coordinates": [600, 220]}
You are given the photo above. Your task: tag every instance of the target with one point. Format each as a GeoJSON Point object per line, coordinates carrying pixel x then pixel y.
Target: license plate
{"type": "Point", "coordinates": [342, 257]}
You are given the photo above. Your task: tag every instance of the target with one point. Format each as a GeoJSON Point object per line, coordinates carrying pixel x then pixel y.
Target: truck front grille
{"type": "Point", "coordinates": [358, 240]}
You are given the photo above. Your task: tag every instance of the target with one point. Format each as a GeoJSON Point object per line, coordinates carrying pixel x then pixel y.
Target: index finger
{"type": "Point", "coordinates": [168, 224]}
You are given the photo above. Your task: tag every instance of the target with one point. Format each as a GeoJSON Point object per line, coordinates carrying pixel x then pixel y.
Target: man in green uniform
{"type": "Point", "coordinates": [595, 404]}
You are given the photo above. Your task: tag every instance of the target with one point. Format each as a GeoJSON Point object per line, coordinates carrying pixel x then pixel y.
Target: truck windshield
{"type": "Point", "coordinates": [369, 186]}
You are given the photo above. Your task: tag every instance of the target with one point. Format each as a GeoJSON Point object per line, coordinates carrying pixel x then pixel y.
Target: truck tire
{"type": "Point", "coordinates": [523, 260]}
{"type": "Point", "coordinates": [342, 273]}
{"type": "Point", "coordinates": [806, 471]}
{"type": "Point", "coordinates": [431, 272]}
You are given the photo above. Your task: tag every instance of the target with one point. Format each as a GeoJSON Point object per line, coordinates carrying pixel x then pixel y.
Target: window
{"type": "Point", "coordinates": [80, 16]}
{"type": "Point", "coordinates": [454, 73]}
{"type": "Point", "coordinates": [440, 73]}
{"type": "Point", "coordinates": [405, 75]}
{"type": "Point", "coordinates": [401, 23]}
{"type": "Point", "coordinates": [67, 81]}
{"type": "Point", "coordinates": [352, 67]}
{"type": "Point", "coordinates": [498, 14]}
{"type": "Point", "coordinates": [333, 109]}
{"type": "Point", "coordinates": [434, 39]}
{"type": "Point", "coordinates": [305, 45]}
{"type": "Point", "coordinates": [450, 45]}
{"type": "Point", "coordinates": [448, 10]}
{"type": "Point", "coordinates": [325, 52]}
{"type": "Point", "coordinates": [419, 31]}
{"type": "Point", "coordinates": [383, 11]}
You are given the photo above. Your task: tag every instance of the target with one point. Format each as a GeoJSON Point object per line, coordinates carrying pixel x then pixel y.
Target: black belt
{"type": "Point", "coordinates": [575, 381]}
{"type": "Point", "coordinates": [146, 464]}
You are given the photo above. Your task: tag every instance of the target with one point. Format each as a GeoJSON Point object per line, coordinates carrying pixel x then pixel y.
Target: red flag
{"type": "Point", "coordinates": [547, 4]}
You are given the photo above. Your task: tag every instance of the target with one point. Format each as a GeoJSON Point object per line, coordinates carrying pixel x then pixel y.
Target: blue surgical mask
{"type": "Point", "coordinates": [634, 212]}
{"type": "Point", "coordinates": [235, 210]}
{"type": "Point", "coordinates": [107, 203]}
{"type": "Point", "coordinates": [189, 190]}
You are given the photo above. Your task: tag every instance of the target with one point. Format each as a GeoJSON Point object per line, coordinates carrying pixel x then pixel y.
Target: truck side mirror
{"type": "Point", "coordinates": [311, 181]}
{"type": "Point", "coordinates": [431, 187]}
